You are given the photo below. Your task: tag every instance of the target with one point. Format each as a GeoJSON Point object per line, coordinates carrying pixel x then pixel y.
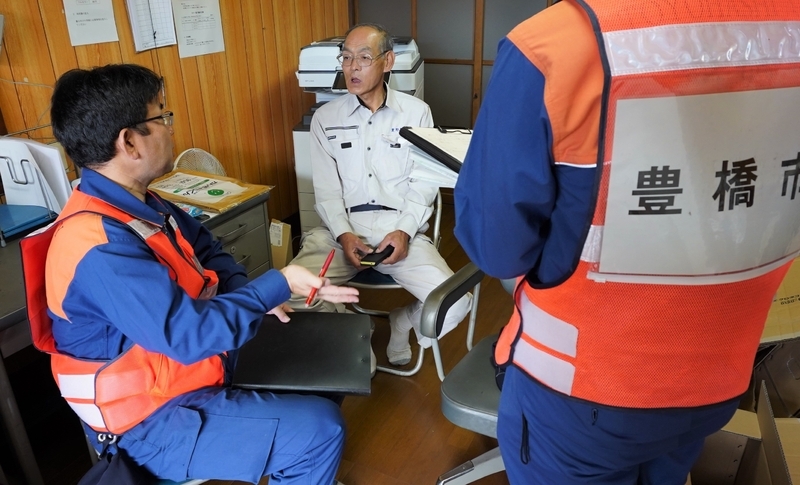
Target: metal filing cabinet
{"type": "Point", "coordinates": [244, 233]}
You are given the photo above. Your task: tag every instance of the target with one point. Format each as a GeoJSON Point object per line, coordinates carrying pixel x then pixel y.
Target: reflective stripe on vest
{"type": "Point", "coordinates": [669, 298]}
{"type": "Point", "coordinates": [113, 396]}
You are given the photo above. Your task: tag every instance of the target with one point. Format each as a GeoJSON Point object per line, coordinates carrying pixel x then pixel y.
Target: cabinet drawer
{"type": "Point", "coordinates": [250, 250]}
{"type": "Point", "coordinates": [232, 230]}
{"type": "Point", "coordinates": [251, 275]}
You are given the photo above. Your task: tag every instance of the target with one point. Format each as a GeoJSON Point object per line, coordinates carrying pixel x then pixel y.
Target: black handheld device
{"type": "Point", "coordinates": [372, 259]}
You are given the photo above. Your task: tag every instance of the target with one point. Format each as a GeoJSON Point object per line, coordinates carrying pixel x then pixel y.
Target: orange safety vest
{"type": "Point", "coordinates": [114, 396]}
{"type": "Point", "coordinates": [693, 228]}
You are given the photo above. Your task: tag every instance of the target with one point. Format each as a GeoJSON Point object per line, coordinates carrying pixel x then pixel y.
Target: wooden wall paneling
{"type": "Point", "coordinates": [62, 55]}
{"type": "Point", "coordinates": [320, 19]}
{"type": "Point", "coordinates": [280, 205]}
{"type": "Point", "coordinates": [192, 91]}
{"type": "Point", "coordinates": [236, 52]}
{"type": "Point", "coordinates": [288, 48]}
{"type": "Point", "coordinates": [216, 101]}
{"type": "Point", "coordinates": [308, 30]}
{"type": "Point", "coordinates": [168, 66]}
{"type": "Point", "coordinates": [9, 99]}
{"type": "Point", "coordinates": [94, 55]}
{"type": "Point", "coordinates": [259, 91]}
{"type": "Point", "coordinates": [343, 17]}
{"type": "Point", "coordinates": [24, 41]}
{"type": "Point", "coordinates": [330, 12]}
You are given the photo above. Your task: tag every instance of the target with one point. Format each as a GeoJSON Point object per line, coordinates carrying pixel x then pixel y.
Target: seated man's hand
{"type": "Point", "coordinates": [399, 240]}
{"type": "Point", "coordinates": [301, 281]}
{"type": "Point", "coordinates": [354, 249]}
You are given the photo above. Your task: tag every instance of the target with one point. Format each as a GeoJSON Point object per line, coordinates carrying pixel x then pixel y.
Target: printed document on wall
{"type": "Point", "coordinates": [151, 23]}
{"type": "Point", "coordinates": [90, 21]}
{"type": "Point", "coordinates": [199, 27]}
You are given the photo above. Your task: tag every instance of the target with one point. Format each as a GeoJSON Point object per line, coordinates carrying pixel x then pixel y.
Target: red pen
{"type": "Point", "coordinates": [321, 274]}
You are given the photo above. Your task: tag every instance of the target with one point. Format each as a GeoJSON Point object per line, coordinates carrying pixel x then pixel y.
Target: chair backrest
{"type": "Point", "coordinates": [199, 160]}
{"type": "Point", "coordinates": [469, 393]}
{"type": "Point", "coordinates": [439, 301]}
{"type": "Point", "coordinates": [23, 181]}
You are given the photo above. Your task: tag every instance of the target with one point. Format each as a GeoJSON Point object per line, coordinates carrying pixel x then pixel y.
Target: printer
{"type": "Point", "coordinates": [320, 73]}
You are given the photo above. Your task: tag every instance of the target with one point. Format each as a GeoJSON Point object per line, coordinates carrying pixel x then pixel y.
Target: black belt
{"type": "Point", "coordinates": [369, 207]}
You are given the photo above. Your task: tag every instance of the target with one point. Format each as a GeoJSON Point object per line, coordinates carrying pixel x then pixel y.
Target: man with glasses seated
{"type": "Point", "coordinates": [144, 310]}
{"type": "Point", "coordinates": [363, 191]}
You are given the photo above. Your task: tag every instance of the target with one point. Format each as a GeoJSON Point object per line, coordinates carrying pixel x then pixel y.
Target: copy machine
{"type": "Point", "coordinates": [320, 73]}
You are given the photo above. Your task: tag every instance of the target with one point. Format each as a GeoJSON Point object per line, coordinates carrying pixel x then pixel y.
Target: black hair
{"type": "Point", "coordinates": [385, 44]}
{"type": "Point", "coordinates": [90, 107]}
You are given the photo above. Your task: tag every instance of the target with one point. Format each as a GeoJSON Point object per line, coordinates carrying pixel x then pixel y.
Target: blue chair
{"type": "Point", "coordinates": [17, 219]}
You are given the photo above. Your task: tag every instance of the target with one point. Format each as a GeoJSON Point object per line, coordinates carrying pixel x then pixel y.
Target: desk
{"type": "Point", "coordinates": [244, 234]}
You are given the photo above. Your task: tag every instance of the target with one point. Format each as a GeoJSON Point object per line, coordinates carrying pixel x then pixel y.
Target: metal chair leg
{"type": "Point", "coordinates": [367, 311]}
{"type": "Point", "coordinates": [487, 464]}
{"type": "Point", "coordinates": [405, 373]}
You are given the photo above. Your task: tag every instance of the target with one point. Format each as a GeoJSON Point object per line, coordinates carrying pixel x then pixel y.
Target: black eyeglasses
{"type": "Point", "coordinates": [363, 60]}
{"type": "Point", "coordinates": [166, 117]}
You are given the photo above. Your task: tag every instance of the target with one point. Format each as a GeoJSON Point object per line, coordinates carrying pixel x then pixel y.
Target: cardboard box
{"type": "Point", "coordinates": [778, 359]}
{"type": "Point", "coordinates": [280, 238]}
{"type": "Point", "coordinates": [752, 449]}
{"type": "Point", "coordinates": [783, 321]}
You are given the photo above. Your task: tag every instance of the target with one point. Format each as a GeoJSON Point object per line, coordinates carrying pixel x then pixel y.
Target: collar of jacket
{"type": "Point", "coordinates": [100, 186]}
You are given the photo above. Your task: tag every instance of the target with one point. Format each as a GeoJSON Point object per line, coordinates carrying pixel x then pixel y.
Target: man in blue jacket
{"type": "Point", "coordinates": [110, 290]}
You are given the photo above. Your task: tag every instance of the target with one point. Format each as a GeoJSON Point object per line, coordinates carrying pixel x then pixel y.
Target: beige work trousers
{"type": "Point", "coordinates": [419, 273]}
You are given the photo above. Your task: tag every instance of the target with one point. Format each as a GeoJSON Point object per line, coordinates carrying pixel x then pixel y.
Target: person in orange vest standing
{"type": "Point", "coordinates": [649, 162]}
{"type": "Point", "coordinates": [142, 310]}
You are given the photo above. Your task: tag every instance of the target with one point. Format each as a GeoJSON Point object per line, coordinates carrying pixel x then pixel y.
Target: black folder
{"type": "Point", "coordinates": [313, 353]}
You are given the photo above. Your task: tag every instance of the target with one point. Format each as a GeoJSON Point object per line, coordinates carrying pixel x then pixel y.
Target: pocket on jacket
{"type": "Point", "coordinates": [236, 447]}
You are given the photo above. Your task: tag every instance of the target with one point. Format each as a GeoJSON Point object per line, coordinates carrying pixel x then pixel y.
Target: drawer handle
{"type": "Point", "coordinates": [233, 235]}
{"type": "Point", "coordinates": [241, 261]}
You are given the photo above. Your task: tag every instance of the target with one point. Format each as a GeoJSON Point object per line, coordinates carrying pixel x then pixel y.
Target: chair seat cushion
{"type": "Point", "coordinates": [470, 397]}
{"type": "Point", "coordinates": [372, 278]}
{"type": "Point", "coordinates": [15, 219]}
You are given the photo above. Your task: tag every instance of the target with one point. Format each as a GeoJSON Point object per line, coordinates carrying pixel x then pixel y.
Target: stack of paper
{"type": "Point", "coordinates": [427, 169]}
{"type": "Point", "coordinates": [436, 154]}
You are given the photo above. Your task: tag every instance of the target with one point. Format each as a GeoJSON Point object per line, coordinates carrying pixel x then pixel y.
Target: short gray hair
{"type": "Point", "coordinates": [386, 42]}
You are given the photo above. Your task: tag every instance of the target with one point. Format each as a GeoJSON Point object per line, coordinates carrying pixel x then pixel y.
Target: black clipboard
{"type": "Point", "coordinates": [314, 353]}
{"type": "Point", "coordinates": [441, 156]}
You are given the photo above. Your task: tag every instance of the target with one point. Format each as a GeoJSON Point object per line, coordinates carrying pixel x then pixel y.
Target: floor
{"type": "Point", "coordinates": [395, 436]}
